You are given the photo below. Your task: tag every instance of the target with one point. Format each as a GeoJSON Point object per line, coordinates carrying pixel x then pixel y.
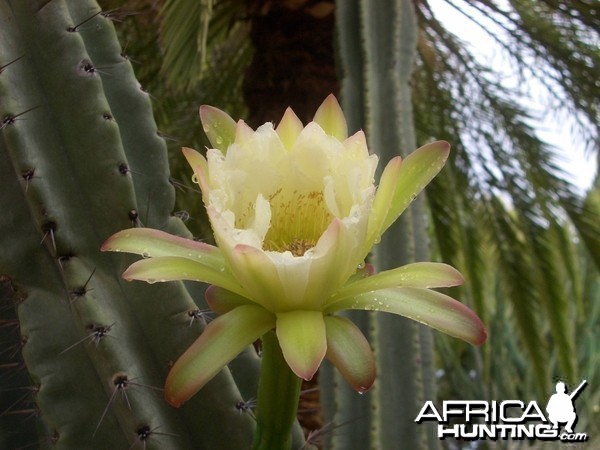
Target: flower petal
{"type": "Point", "coordinates": [383, 200]}
{"type": "Point", "coordinates": [195, 159]}
{"type": "Point", "coordinates": [218, 126]}
{"type": "Point", "coordinates": [221, 341]}
{"type": "Point", "coordinates": [200, 167]}
{"type": "Point", "coordinates": [334, 260]}
{"type": "Point", "coordinates": [429, 307]}
{"type": "Point", "coordinates": [258, 275]}
{"type": "Point", "coordinates": [170, 268]}
{"type": "Point", "coordinates": [222, 301]}
{"type": "Point", "coordinates": [289, 128]}
{"type": "Point", "coordinates": [416, 171]}
{"type": "Point", "coordinates": [154, 243]}
{"type": "Point", "coordinates": [244, 133]}
{"type": "Point", "coordinates": [418, 275]}
{"type": "Point", "coordinates": [303, 340]}
{"type": "Point", "coordinates": [350, 353]}
{"type": "Point", "coordinates": [331, 118]}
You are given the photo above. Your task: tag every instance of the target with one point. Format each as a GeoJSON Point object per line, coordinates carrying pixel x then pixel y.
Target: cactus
{"type": "Point", "coordinates": [377, 64]}
{"type": "Point", "coordinates": [80, 158]}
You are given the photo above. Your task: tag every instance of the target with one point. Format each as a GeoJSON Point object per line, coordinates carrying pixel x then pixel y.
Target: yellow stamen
{"type": "Point", "coordinates": [298, 219]}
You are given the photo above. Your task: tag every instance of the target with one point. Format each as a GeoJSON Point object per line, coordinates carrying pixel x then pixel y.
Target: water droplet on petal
{"type": "Point", "coordinates": [151, 280]}
{"type": "Point", "coordinates": [222, 269]}
{"type": "Point", "coordinates": [195, 178]}
{"type": "Point", "coordinates": [206, 128]}
{"type": "Point", "coordinates": [145, 254]}
{"type": "Point", "coordinates": [219, 140]}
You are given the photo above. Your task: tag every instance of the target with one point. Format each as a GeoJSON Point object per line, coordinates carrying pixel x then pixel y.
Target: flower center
{"type": "Point", "coordinates": [298, 219]}
{"type": "Point", "coordinates": [299, 247]}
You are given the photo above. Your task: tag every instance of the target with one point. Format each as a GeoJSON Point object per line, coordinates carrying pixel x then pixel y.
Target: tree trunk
{"type": "Point", "coordinates": [293, 63]}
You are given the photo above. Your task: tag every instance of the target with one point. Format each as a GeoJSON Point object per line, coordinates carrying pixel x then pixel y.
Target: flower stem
{"type": "Point", "coordinates": [278, 394]}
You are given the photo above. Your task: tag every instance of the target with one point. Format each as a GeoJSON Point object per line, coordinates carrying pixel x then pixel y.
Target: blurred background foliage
{"type": "Point", "coordinates": [502, 211]}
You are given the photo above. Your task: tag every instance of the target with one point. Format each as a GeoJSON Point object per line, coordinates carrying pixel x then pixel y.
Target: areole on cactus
{"type": "Point", "coordinates": [295, 212]}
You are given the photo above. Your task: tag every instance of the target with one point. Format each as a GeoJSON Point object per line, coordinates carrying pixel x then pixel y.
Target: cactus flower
{"type": "Point", "coordinates": [295, 211]}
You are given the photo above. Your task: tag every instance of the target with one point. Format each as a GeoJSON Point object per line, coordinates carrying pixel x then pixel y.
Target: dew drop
{"type": "Point", "coordinates": [117, 250]}
{"type": "Point", "coordinates": [219, 140]}
{"type": "Point", "coordinates": [145, 254]}
{"type": "Point", "coordinates": [412, 197]}
{"type": "Point", "coordinates": [222, 269]}
{"type": "Point", "coordinates": [190, 254]}
{"type": "Point", "coordinates": [151, 280]}
{"type": "Point", "coordinates": [361, 265]}
{"type": "Point", "coordinates": [195, 178]}
{"type": "Point", "coordinates": [206, 128]}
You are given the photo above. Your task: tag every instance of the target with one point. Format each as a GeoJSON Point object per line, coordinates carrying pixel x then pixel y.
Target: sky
{"type": "Point", "coordinates": [554, 127]}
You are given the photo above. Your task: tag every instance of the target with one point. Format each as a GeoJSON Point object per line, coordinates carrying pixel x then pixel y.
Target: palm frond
{"type": "Point", "coordinates": [184, 33]}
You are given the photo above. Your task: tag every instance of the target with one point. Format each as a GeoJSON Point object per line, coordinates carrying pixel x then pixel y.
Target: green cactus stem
{"type": "Point", "coordinates": [80, 158]}
{"type": "Point", "coordinates": [377, 62]}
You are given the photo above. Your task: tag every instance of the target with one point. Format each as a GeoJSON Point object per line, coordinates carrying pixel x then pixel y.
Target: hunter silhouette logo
{"type": "Point", "coordinates": [509, 419]}
{"type": "Point", "coordinates": [561, 407]}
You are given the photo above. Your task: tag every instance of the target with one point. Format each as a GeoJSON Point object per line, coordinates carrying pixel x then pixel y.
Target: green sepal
{"type": "Point", "coordinates": [428, 307]}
